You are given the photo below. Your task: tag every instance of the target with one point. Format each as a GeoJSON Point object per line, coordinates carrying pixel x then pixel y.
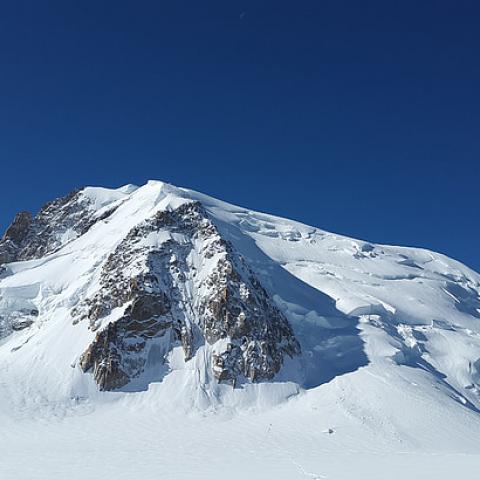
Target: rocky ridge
{"type": "Point", "coordinates": [34, 236]}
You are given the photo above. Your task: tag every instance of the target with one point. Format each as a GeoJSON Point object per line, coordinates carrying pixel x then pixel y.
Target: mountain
{"type": "Point", "coordinates": [167, 331]}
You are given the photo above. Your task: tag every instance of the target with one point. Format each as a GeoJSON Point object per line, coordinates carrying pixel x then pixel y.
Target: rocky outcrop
{"type": "Point", "coordinates": [114, 356]}
{"type": "Point", "coordinates": [15, 235]}
{"type": "Point", "coordinates": [176, 281]}
{"type": "Point", "coordinates": [22, 324]}
{"type": "Point", "coordinates": [30, 237]}
{"type": "Point", "coordinates": [16, 320]}
{"type": "Point", "coordinates": [18, 230]}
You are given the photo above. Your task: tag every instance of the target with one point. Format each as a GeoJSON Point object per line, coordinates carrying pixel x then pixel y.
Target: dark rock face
{"type": "Point", "coordinates": [15, 235]}
{"type": "Point", "coordinates": [178, 282]}
{"type": "Point", "coordinates": [19, 228]}
{"type": "Point", "coordinates": [30, 237]}
{"type": "Point", "coordinates": [16, 320]}
{"type": "Point", "coordinates": [107, 373]}
{"type": "Point", "coordinates": [114, 356]}
{"type": "Point", "coordinates": [149, 306]}
{"type": "Point", "coordinates": [21, 324]}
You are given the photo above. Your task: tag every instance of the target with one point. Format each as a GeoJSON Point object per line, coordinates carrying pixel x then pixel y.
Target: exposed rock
{"type": "Point", "coordinates": [149, 306]}
{"type": "Point", "coordinates": [16, 319]}
{"type": "Point", "coordinates": [18, 230]}
{"type": "Point", "coordinates": [107, 371]}
{"type": "Point", "coordinates": [16, 233]}
{"type": "Point", "coordinates": [30, 237]}
{"type": "Point", "coordinates": [21, 324]}
{"type": "Point", "coordinates": [186, 287]}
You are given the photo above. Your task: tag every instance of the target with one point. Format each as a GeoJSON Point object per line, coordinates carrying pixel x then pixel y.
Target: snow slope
{"type": "Point", "coordinates": [387, 385]}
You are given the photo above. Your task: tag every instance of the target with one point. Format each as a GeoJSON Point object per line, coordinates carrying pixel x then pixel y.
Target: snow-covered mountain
{"type": "Point", "coordinates": [118, 306]}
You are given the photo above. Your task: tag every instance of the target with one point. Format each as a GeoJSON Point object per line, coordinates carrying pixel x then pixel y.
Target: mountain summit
{"type": "Point", "coordinates": [166, 297]}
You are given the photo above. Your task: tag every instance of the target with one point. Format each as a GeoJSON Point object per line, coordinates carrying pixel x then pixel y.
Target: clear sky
{"type": "Point", "coordinates": [358, 117]}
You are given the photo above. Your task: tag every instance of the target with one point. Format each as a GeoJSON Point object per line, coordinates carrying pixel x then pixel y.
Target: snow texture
{"type": "Point", "coordinates": [371, 356]}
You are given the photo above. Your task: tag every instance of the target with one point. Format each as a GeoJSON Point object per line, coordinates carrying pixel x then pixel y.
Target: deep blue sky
{"type": "Point", "coordinates": [361, 118]}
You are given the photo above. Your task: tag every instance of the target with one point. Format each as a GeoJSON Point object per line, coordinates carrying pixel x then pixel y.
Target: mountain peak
{"type": "Point", "coordinates": [160, 288]}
